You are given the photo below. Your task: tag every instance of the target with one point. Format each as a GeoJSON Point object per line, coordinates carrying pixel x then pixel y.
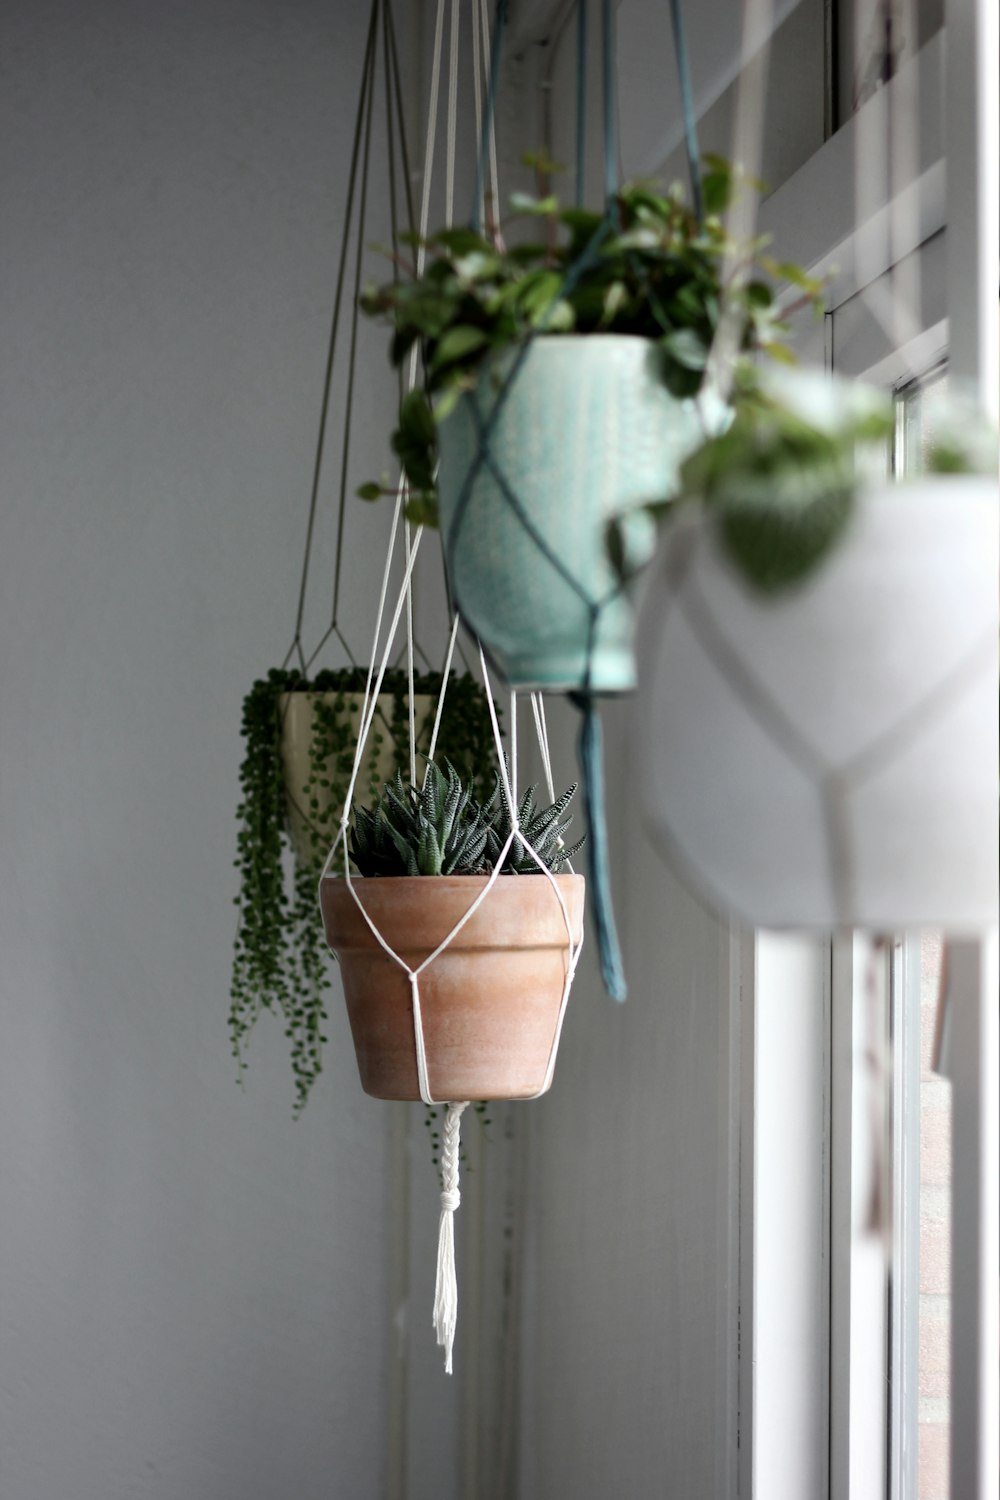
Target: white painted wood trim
{"type": "Point", "coordinates": [859, 1333]}
{"type": "Point", "coordinates": [791, 1268]}
{"type": "Point", "coordinates": [974, 1068]}
{"type": "Point", "coordinates": [905, 1176]}
{"type": "Point", "coordinates": [734, 1320]}
{"type": "Point", "coordinates": [973, 147]}
{"type": "Point", "coordinates": [744, 969]}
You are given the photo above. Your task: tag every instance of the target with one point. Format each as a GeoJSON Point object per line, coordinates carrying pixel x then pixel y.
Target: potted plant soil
{"type": "Point", "coordinates": [492, 999]}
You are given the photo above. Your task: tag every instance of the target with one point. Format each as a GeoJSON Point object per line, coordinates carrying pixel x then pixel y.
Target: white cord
{"type": "Point", "coordinates": [412, 715]}
{"type": "Point", "coordinates": [512, 736]}
{"type": "Point", "coordinates": [445, 1318]}
{"type": "Point", "coordinates": [542, 735]}
{"type": "Point", "coordinates": [445, 678]}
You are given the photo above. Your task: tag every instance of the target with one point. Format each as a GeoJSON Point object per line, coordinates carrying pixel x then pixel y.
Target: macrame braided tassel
{"type": "Point", "coordinates": [446, 1285]}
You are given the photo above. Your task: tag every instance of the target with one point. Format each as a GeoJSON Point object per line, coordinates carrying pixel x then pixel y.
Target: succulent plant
{"type": "Point", "coordinates": [542, 829]}
{"type": "Point", "coordinates": [441, 828]}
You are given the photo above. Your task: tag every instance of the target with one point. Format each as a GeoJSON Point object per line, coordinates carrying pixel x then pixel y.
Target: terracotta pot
{"type": "Point", "coordinates": [490, 1001]}
{"type": "Point", "coordinates": [378, 764]}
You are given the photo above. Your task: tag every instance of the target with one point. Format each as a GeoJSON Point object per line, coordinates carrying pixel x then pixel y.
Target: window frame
{"type": "Point", "coordinates": [813, 217]}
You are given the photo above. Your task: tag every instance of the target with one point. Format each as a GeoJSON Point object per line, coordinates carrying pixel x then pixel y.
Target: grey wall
{"type": "Point", "coordinates": [193, 1285]}
{"type": "Point", "coordinates": [200, 1295]}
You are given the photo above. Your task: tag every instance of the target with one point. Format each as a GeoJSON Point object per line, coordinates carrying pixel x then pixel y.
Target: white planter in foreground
{"type": "Point", "coordinates": [830, 756]}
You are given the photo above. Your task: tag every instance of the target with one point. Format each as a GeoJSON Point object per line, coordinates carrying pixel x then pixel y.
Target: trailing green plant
{"type": "Point", "coordinates": [442, 828]}
{"type": "Point", "coordinates": [649, 268]}
{"type": "Point", "coordinates": [280, 959]}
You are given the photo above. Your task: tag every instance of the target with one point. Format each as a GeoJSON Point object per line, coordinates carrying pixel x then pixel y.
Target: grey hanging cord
{"type": "Point", "coordinates": [393, 55]}
{"type": "Point", "coordinates": [393, 221]}
{"type": "Point", "coordinates": [687, 107]}
{"type": "Point", "coordinates": [380, 23]}
{"type": "Point", "coordinates": [366, 83]}
{"type": "Point", "coordinates": [581, 100]}
{"type": "Point", "coordinates": [499, 28]}
{"type": "Point", "coordinates": [352, 356]}
{"type": "Point", "coordinates": [610, 74]}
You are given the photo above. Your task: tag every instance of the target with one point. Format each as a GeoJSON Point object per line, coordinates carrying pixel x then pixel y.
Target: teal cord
{"type": "Point", "coordinates": [499, 27]}
{"type": "Point", "coordinates": [687, 105]}
{"type": "Point", "coordinates": [592, 768]}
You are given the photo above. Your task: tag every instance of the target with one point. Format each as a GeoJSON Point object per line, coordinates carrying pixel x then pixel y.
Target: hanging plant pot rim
{"type": "Point", "coordinates": [510, 916]}
{"type": "Point", "coordinates": [544, 343]}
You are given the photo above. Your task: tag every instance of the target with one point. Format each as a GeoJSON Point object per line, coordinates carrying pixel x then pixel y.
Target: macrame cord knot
{"type": "Point", "coordinates": [446, 1286]}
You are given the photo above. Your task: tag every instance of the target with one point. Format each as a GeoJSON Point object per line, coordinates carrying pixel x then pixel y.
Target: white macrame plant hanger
{"type": "Point", "coordinates": [446, 1286]}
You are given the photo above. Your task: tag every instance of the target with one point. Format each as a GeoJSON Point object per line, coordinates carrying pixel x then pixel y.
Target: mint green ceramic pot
{"type": "Point", "coordinates": [585, 431]}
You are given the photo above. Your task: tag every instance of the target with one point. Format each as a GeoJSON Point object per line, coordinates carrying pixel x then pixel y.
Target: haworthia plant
{"type": "Point", "coordinates": [440, 827]}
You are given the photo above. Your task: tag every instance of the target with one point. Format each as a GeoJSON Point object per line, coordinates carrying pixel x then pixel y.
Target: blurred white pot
{"type": "Point", "coordinates": [830, 756]}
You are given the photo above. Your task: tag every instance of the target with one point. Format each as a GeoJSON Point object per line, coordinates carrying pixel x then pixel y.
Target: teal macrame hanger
{"type": "Point", "coordinates": [590, 749]}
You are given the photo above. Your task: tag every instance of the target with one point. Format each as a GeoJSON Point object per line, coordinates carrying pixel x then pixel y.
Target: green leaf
{"type": "Point", "coordinates": [525, 203]}
{"type": "Point", "coordinates": [687, 348]}
{"type": "Point", "coordinates": [537, 292]}
{"type": "Point", "coordinates": [560, 318]}
{"type": "Point", "coordinates": [369, 491]}
{"type": "Point", "coordinates": [582, 221]}
{"type": "Point", "coordinates": [416, 419]}
{"type": "Point", "coordinates": [716, 192]}
{"type": "Point", "coordinates": [460, 240]}
{"type": "Point", "coordinates": [614, 299]}
{"type": "Point", "coordinates": [781, 353]}
{"type": "Point", "coordinates": [446, 401]}
{"type": "Point", "coordinates": [457, 344]}
{"type": "Point", "coordinates": [422, 510]}
{"type": "Point", "coordinates": [786, 270]}
{"type": "Point", "coordinates": [758, 294]}
{"type": "Point", "coordinates": [541, 162]}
